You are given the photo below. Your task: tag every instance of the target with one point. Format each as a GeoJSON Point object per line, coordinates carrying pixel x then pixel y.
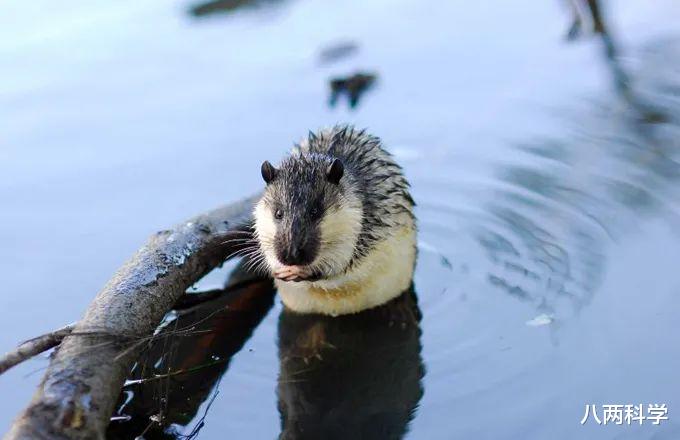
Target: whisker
{"type": "Point", "coordinates": [238, 253]}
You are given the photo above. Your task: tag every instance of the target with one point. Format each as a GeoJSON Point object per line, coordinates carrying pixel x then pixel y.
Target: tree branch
{"type": "Point", "coordinates": [79, 390]}
{"type": "Point", "coordinates": [34, 347]}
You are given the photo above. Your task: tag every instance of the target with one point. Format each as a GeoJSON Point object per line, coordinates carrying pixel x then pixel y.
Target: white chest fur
{"type": "Point", "coordinates": [381, 276]}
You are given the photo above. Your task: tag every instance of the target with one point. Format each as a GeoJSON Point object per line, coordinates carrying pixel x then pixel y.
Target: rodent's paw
{"type": "Point", "coordinates": [292, 273]}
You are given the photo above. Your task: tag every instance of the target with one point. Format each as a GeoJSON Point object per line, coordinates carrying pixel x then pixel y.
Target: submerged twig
{"type": "Point", "coordinates": [34, 347]}
{"type": "Point", "coordinates": [40, 344]}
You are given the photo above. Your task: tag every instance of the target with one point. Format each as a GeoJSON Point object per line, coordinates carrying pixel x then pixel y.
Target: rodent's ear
{"type": "Point", "coordinates": [335, 171]}
{"type": "Point", "coordinates": [268, 172]}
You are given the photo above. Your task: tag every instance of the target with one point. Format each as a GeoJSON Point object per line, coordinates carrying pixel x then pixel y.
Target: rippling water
{"type": "Point", "coordinates": [546, 175]}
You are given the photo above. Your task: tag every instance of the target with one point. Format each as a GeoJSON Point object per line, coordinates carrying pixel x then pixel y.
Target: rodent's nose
{"type": "Point", "coordinates": [297, 245]}
{"type": "Point", "coordinates": [295, 256]}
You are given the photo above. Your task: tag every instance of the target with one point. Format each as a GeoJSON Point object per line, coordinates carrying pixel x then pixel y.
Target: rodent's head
{"type": "Point", "coordinates": [309, 218]}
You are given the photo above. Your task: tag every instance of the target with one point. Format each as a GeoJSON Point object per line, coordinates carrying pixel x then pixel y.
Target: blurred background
{"type": "Point", "coordinates": [541, 139]}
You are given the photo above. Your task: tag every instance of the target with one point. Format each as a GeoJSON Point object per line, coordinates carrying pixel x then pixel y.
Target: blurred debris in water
{"type": "Point", "coordinates": [584, 11]}
{"type": "Point", "coordinates": [229, 6]}
{"type": "Point", "coordinates": [621, 80]}
{"type": "Point", "coordinates": [353, 86]}
{"type": "Point", "coordinates": [338, 51]}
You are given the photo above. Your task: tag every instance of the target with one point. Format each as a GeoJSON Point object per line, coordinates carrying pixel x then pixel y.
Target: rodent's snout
{"type": "Point", "coordinates": [296, 245]}
{"type": "Point", "coordinates": [296, 254]}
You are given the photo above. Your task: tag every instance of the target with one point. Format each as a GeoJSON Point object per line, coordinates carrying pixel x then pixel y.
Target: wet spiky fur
{"type": "Point", "coordinates": [363, 236]}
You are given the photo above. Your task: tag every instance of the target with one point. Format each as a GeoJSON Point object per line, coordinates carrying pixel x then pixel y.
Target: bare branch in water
{"type": "Point", "coordinates": [34, 347]}
{"type": "Point", "coordinates": [78, 393]}
{"type": "Point", "coordinates": [40, 344]}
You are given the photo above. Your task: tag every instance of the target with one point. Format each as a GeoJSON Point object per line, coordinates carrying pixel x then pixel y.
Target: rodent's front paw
{"type": "Point", "coordinates": [292, 273]}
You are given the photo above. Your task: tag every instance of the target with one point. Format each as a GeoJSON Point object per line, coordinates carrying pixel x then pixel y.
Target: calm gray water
{"type": "Point", "coordinates": [546, 174]}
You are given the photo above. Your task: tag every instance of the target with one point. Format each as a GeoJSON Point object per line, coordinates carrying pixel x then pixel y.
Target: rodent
{"type": "Point", "coordinates": [335, 225]}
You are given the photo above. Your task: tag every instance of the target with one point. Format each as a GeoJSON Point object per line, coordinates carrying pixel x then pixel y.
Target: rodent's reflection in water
{"type": "Point", "coordinates": [353, 376]}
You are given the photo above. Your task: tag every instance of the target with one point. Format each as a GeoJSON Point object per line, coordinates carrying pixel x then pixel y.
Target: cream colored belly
{"type": "Point", "coordinates": [380, 277]}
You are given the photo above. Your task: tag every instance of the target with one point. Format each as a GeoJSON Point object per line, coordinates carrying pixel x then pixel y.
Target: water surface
{"type": "Point", "coordinates": [545, 171]}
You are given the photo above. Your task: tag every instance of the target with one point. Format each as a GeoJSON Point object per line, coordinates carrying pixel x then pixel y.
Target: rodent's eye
{"type": "Point", "coordinates": [278, 214]}
{"type": "Point", "coordinates": [314, 212]}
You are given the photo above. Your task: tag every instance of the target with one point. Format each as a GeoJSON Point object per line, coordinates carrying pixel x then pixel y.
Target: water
{"type": "Point", "coordinates": [546, 174]}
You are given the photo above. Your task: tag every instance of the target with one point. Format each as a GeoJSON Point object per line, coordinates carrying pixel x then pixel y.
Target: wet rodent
{"type": "Point", "coordinates": [335, 225]}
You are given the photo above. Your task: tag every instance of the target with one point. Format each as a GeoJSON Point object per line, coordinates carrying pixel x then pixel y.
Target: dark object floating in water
{"type": "Point", "coordinates": [228, 6]}
{"type": "Point", "coordinates": [353, 86]}
{"type": "Point", "coordinates": [585, 11]}
{"type": "Point", "coordinates": [338, 51]}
